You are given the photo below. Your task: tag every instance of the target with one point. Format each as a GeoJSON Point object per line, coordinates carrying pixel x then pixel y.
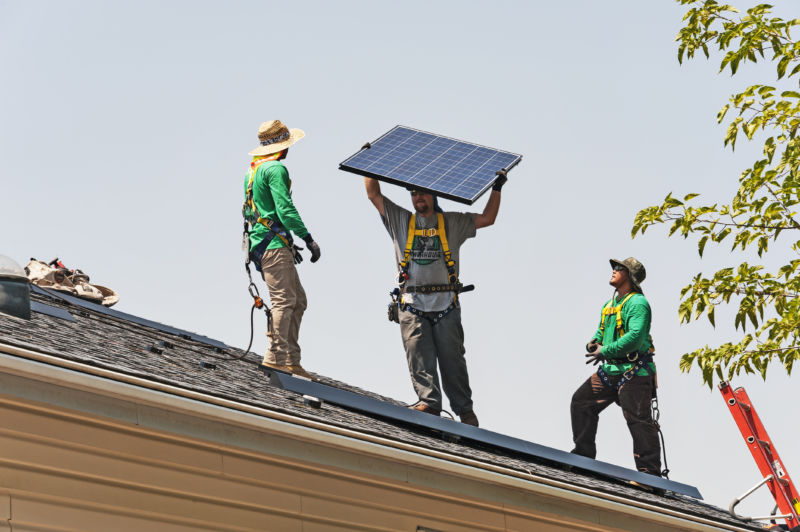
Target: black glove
{"type": "Point", "coordinates": [594, 358]}
{"type": "Point", "coordinates": [595, 354]}
{"type": "Point", "coordinates": [313, 247]}
{"type": "Point", "coordinates": [501, 180]}
{"type": "Point", "coordinates": [298, 258]}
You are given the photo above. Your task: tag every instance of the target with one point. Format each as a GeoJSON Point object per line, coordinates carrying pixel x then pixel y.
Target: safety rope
{"type": "Point", "coordinates": [257, 301]}
{"type": "Point", "coordinates": [655, 414]}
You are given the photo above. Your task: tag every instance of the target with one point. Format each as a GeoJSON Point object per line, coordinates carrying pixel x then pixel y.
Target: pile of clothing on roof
{"type": "Point", "coordinates": [55, 276]}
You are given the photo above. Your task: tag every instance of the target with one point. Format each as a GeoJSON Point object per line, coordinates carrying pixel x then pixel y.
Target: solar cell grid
{"type": "Point", "coordinates": [447, 167]}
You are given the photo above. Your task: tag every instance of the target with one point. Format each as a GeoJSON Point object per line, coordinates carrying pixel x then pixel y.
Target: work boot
{"type": "Point", "coordinates": [296, 369]}
{"type": "Point", "coordinates": [469, 418]}
{"type": "Point", "coordinates": [300, 371]}
{"type": "Point", "coordinates": [419, 406]}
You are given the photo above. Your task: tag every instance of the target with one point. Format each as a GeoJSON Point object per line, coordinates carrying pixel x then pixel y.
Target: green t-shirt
{"type": "Point", "coordinates": [273, 198]}
{"type": "Point", "coordinates": [636, 318]}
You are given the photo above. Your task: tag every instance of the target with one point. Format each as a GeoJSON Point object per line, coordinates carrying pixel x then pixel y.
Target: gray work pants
{"type": "Point", "coordinates": [426, 344]}
{"type": "Point", "coordinates": [288, 301]}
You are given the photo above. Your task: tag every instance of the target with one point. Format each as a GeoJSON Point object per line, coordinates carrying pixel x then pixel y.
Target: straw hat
{"type": "Point", "coordinates": [275, 136]}
{"type": "Point", "coordinates": [636, 271]}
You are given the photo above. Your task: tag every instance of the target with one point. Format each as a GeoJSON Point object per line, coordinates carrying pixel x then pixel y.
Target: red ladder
{"type": "Point", "coordinates": [766, 456]}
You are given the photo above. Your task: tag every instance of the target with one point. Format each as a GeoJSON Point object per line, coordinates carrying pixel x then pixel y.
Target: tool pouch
{"type": "Point", "coordinates": [394, 312]}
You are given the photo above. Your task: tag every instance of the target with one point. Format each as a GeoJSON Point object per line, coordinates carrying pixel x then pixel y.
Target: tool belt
{"type": "Point", "coordinates": [639, 361]}
{"type": "Point", "coordinates": [433, 288]}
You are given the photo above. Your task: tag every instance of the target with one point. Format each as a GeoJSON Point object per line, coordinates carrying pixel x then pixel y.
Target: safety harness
{"type": "Point", "coordinates": [452, 277]}
{"type": "Point", "coordinates": [639, 361]}
{"type": "Point", "coordinates": [439, 231]}
{"type": "Point", "coordinates": [252, 216]}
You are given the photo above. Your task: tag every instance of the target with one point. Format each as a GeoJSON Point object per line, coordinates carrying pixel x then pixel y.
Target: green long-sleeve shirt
{"type": "Point", "coordinates": [636, 318]}
{"type": "Point", "coordinates": [273, 198]}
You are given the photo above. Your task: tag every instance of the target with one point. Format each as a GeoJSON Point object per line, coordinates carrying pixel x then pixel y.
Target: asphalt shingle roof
{"type": "Point", "coordinates": [132, 349]}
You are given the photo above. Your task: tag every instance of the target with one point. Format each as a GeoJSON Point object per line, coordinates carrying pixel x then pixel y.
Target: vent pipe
{"type": "Point", "coordinates": [15, 290]}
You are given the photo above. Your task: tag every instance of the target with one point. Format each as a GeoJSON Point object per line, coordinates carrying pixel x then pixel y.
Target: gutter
{"type": "Point", "coordinates": [96, 380]}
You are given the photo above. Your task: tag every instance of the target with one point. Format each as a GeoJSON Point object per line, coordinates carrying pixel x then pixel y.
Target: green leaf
{"type": "Point", "coordinates": [782, 64]}
{"type": "Point", "coordinates": [701, 244]}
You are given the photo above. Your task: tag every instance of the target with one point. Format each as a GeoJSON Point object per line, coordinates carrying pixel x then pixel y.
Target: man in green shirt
{"type": "Point", "coordinates": [623, 346]}
{"type": "Point", "coordinates": [272, 218]}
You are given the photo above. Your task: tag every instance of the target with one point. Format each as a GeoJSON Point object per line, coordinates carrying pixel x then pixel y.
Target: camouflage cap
{"type": "Point", "coordinates": [636, 271]}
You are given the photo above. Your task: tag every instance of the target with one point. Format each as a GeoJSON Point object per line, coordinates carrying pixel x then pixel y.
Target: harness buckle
{"type": "Point", "coordinates": [430, 232]}
{"type": "Point", "coordinates": [635, 356]}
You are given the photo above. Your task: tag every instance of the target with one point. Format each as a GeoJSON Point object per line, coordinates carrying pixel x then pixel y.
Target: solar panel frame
{"type": "Point", "coordinates": [400, 155]}
{"type": "Point", "coordinates": [374, 406]}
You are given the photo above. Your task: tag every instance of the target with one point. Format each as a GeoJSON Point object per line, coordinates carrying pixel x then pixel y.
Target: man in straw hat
{"type": "Point", "coordinates": [624, 349]}
{"type": "Point", "coordinates": [427, 305]}
{"type": "Point", "coordinates": [272, 218]}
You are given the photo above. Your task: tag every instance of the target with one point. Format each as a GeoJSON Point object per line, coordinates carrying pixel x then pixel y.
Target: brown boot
{"type": "Point", "coordinates": [295, 369]}
{"type": "Point", "coordinates": [299, 371]}
{"type": "Point", "coordinates": [419, 406]}
{"type": "Point", "coordinates": [469, 418]}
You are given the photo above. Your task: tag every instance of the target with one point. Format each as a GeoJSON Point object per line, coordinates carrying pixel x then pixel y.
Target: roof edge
{"type": "Point", "coordinates": [50, 368]}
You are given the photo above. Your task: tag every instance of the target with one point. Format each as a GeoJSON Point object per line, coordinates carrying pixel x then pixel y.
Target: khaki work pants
{"type": "Point", "coordinates": [288, 302]}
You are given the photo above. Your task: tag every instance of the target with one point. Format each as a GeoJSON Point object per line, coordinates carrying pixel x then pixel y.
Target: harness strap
{"type": "Point", "coordinates": [409, 242]}
{"type": "Point", "coordinates": [608, 310]}
{"type": "Point", "coordinates": [439, 231]}
{"type": "Point", "coordinates": [433, 288]}
{"type": "Point", "coordinates": [434, 320]}
{"type": "Point", "coordinates": [641, 363]}
{"type": "Point", "coordinates": [250, 211]}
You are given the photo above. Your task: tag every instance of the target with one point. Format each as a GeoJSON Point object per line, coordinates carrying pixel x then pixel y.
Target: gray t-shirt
{"type": "Point", "coordinates": [427, 265]}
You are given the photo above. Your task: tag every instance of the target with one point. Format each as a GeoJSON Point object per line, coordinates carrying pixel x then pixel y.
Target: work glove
{"type": "Point", "coordinates": [313, 247]}
{"type": "Point", "coordinates": [501, 180]}
{"type": "Point", "coordinates": [298, 258]}
{"type": "Point", "coordinates": [595, 354]}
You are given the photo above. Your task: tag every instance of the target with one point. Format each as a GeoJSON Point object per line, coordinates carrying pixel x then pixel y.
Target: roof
{"type": "Point", "coordinates": [123, 347]}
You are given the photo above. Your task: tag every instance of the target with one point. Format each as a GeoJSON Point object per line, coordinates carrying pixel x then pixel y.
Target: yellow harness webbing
{"type": "Point", "coordinates": [439, 231]}
{"type": "Point", "coordinates": [608, 310]}
{"type": "Point", "coordinates": [250, 201]}
{"type": "Point", "coordinates": [429, 232]}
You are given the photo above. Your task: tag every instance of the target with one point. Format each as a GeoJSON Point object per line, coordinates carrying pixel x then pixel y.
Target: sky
{"type": "Point", "coordinates": [124, 133]}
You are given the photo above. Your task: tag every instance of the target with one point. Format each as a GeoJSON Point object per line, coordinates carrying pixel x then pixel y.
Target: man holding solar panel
{"type": "Point", "coordinates": [427, 244]}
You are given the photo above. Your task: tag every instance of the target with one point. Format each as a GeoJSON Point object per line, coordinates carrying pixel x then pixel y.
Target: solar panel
{"type": "Point", "coordinates": [399, 413]}
{"type": "Point", "coordinates": [129, 317]}
{"type": "Point", "coordinates": [449, 168]}
{"type": "Point", "coordinates": [55, 312]}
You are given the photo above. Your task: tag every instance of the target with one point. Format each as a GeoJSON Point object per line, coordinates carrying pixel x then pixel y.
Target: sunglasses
{"type": "Point", "coordinates": [618, 268]}
{"type": "Point", "coordinates": [417, 193]}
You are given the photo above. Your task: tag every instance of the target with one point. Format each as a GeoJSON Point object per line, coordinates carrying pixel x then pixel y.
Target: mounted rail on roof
{"type": "Point", "coordinates": [129, 317]}
{"type": "Point", "coordinates": [406, 415]}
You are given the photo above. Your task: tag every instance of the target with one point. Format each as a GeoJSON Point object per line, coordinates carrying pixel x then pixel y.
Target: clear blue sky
{"type": "Point", "coordinates": [124, 139]}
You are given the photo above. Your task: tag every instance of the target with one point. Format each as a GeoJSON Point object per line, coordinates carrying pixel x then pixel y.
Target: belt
{"type": "Point", "coordinates": [433, 288]}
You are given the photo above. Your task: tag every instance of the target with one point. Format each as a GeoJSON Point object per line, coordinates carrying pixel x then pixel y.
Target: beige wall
{"type": "Point", "coordinates": [74, 457]}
